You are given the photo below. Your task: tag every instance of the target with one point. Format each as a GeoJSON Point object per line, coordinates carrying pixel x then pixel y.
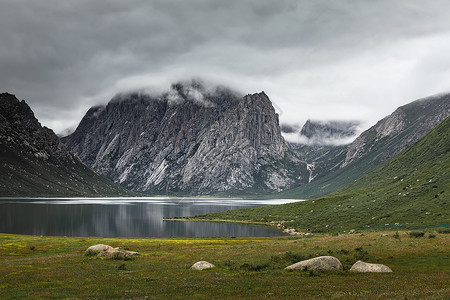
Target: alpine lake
{"type": "Point", "coordinates": [126, 217]}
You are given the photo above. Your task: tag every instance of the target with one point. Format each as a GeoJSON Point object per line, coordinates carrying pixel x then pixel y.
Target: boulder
{"type": "Point", "coordinates": [201, 265]}
{"type": "Point", "coordinates": [361, 266]}
{"type": "Point", "coordinates": [118, 254]}
{"type": "Point", "coordinates": [99, 247]}
{"type": "Point", "coordinates": [321, 263]}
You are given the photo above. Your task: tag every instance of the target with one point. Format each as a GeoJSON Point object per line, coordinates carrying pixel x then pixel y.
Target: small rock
{"type": "Point", "coordinates": [99, 247]}
{"type": "Point", "coordinates": [361, 266]}
{"type": "Point", "coordinates": [321, 263]}
{"type": "Point", "coordinates": [201, 265]}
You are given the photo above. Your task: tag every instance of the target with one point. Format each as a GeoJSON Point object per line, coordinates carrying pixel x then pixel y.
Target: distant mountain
{"type": "Point", "coordinates": [33, 161]}
{"type": "Point", "coordinates": [335, 168]}
{"type": "Point", "coordinates": [320, 133]}
{"type": "Point", "coordinates": [412, 189]}
{"type": "Point", "coordinates": [321, 144]}
{"type": "Point", "coordinates": [189, 140]}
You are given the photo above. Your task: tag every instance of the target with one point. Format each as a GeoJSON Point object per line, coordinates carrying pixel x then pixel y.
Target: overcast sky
{"type": "Point", "coordinates": [355, 60]}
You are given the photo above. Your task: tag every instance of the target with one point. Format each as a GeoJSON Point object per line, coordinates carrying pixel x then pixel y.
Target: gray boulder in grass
{"type": "Point", "coordinates": [99, 247]}
{"type": "Point", "coordinates": [201, 265]}
{"type": "Point", "coordinates": [361, 266]}
{"type": "Point", "coordinates": [321, 263]}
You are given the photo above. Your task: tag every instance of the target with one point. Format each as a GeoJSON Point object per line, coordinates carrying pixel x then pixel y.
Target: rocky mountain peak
{"type": "Point", "coordinates": [192, 138]}
{"type": "Point", "coordinates": [19, 128]}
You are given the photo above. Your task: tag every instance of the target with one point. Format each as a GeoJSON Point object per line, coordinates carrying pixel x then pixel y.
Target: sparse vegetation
{"type": "Point", "coordinates": [417, 234]}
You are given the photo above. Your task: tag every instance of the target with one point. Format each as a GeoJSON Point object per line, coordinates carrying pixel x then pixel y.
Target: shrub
{"type": "Point", "coordinates": [254, 267]}
{"type": "Point", "coordinates": [120, 256]}
{"type": "Point", "coordinates": [91, 253]}
{"type": "Point", "coordinates": [417, 234]}
{"type": "Point", "coordinates": [396, 235]}
{"type": "Point", "coordinates": [293, 257]}
{"type": "Point", "coordinates": [431, 236]}
{"type": "Point", "coordinates": [344, 251]}
{"type": "Point", "coordinates": [122, 267]}
{"type": "Point", "coordinates": [361, 254]}
{"type": "Point", "coordinates": [444, 231]}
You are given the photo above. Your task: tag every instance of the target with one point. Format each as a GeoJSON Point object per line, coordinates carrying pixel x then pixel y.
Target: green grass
{"type": "Point", "coordinates": [252, 268]}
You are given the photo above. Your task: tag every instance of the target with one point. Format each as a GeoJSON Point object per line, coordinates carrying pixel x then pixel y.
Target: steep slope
{"type": "Point", "coordinates": [33, 162]}
{"type": "Point", "coordinates": [410, 190]}
{"type": "Point", "coordinates": [375, 146]}
{"type": "Point", "coordinates": [190, 140]}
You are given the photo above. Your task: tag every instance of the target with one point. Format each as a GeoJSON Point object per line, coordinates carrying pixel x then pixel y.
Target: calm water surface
{"type": "Point", "coordinates": [125, 217]}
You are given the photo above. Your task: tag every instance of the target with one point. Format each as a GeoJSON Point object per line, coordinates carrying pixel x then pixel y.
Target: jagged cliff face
{"type": "Point", "coordinates": [188, 140]}
{"type": "Point", "coordinates": [33, 161]}
{"type": "Point", "coordinates": [399, 130]}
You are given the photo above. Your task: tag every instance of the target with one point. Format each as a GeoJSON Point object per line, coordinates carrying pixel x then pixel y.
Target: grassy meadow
{"type": "Point", "coordinates": [36, 267]}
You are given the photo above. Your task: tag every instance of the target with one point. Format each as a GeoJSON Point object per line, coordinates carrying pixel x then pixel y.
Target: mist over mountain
{"type": "Point", "coordinates": [321, 133]}
{"type": "Point", "coordinates": [190, 139]}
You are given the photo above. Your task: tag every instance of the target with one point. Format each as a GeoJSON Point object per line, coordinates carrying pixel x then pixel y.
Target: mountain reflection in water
{"type": "Point", "coordinates": [125, 217]}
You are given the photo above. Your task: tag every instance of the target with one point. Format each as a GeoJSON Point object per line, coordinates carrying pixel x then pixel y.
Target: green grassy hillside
{"type": "Point", "coordinates": [412, 189]}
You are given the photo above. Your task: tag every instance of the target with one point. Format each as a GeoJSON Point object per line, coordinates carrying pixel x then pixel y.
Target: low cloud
{"type": "Point", "coordinates": [296, 138]}
{"type": "Point", "coordinates": [320, 59]}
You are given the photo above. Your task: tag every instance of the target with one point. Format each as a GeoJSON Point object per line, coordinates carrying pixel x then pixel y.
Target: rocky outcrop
{"type": "Point", "coordinates": [102, 250]}
{"type": "Point", "coordinates": [361, 266]}
{"type": "Point", "coordinates": [99, 247]}
{"type": "Point", "coordinates": [33, 161]}
{"type": "Point", "coordinates": [321, 263]}
{"type": "Point", "coordinates": [190, 140]}
{"type": "Point", "coordinates": [117, 254]}
{"type": "Point", "coordinates": [202, 265]}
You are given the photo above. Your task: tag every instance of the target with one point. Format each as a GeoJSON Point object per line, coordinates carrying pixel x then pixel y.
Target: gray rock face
{"type": "Point", "coordinates": [188, 140]}
{"type": "Point", "coordinates": [201, 265]}
{"type": "Point", "coordinates": [34, 162]}
{"type": "Point", "coordinates": [321, 263]}
{"type": "Point", "coordinates": [361, 266]}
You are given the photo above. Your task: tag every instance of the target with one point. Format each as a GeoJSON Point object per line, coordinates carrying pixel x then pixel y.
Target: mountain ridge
{"type": "Point", "coordinates": [34, 162]}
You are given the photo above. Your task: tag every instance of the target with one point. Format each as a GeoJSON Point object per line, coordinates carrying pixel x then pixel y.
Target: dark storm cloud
{"type": "Point", "coordinates": [319, 59]}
